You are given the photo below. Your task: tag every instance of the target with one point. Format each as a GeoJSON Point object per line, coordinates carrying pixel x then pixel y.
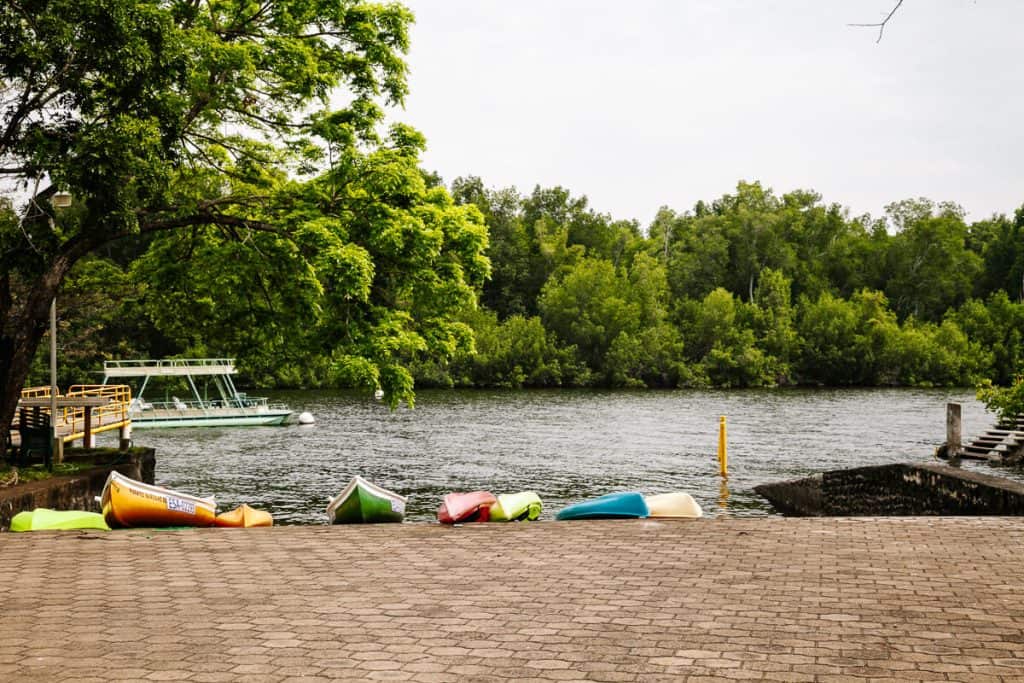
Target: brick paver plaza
{"type": "Point", "coordinates": [777, 599]}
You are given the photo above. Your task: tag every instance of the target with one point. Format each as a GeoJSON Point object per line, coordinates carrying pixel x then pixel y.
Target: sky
{"type": "Point", "coordinates": [666, 102]}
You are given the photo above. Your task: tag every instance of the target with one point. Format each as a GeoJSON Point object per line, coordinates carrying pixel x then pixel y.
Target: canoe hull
{"type": "Point", "coordinates": [165, 419]}
{"type": "Point", "coordinates": [461, 508]}
{"type": "Point", "coordinates": [362, 502]}
{"type": "Point", "coordinates": [130, 503]}
{"type": "Point", "coordinates": [674, 505]}
{"type": "Point", "coordinates": [44, 519]}
{"type": "Point", "coordinates": [245, 517]}
{"type": "Point", "coordinates": [516, 507]}
{"type": "Point", "coordinates": [628, 505]}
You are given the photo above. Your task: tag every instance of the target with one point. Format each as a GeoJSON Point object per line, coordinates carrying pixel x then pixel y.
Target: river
{"type": "Point", "coordinates": [566, 445]}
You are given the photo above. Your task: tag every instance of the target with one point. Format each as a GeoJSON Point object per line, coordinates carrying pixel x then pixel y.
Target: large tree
{"type": "Point", "coordinates": [165, 114]}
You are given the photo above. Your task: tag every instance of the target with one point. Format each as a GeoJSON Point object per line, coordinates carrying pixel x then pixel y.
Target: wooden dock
{"type": "Point", "coordinates": [82, 412]}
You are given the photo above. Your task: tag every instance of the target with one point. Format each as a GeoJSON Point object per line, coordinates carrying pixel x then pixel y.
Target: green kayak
{"type": "Point", "coordinates": [44, 519]}
{"type": "Point", "coordinates": [362, 502]}
{"type": "Point", "coordinates": [515, 507]}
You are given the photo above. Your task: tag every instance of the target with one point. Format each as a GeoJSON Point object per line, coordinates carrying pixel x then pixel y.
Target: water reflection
{"type": "Point", "coordinates": [723, 496]}
{"type": "Point", "coordinates": [565, 445]}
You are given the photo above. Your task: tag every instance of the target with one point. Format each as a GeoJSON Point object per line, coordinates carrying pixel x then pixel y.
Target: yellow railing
{"type": "Point", "coordinates": [32, 392]}
{"type": "Point", "coordinates": [105, 417]}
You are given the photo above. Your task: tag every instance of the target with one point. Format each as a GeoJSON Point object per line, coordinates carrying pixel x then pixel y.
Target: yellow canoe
{"type": "Point", "coordinates": [244, 516]}
{"type": "Point", "coordinates": [673, 505]}
{"type": "Point", "coordinates": [130, 503]}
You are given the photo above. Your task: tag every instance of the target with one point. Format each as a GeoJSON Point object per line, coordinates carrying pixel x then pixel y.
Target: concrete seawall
{"type": "Point", "coordinates": [76, 491]}
{"type": "Point", "coordinates": [906, 489]}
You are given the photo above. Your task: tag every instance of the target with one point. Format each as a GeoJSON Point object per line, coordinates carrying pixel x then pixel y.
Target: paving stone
{"type": "Point", "coordinates": [713, 600]}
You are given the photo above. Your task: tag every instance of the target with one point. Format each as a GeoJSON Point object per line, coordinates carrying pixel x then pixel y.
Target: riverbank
{"type": "Point", "coordinates": [771, 598]}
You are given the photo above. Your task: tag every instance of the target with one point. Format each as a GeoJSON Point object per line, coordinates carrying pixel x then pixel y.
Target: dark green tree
{"type": "Point", "coordinates": [159, 115]}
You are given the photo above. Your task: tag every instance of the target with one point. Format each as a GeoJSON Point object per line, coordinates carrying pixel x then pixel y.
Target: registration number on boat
{"type": "Point", "coordinates": [179, 505]}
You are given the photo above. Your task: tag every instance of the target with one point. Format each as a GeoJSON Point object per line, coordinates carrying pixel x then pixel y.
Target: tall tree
{"type": "Point", "coordinates": [930, 267]}
{"type": "Point", "coordinates": [163, 114]}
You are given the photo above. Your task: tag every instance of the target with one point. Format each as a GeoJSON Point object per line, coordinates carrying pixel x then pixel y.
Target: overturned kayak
{"type": "Point", "coordinates": [130, 503]}
{"type": "Point", "coordinates": [244, 516]}
{"type": "Point", "coordinates": [516, 507]}
{"type": "Point", "coordinates": [676, 504]}
{"type": "Point", "coordinates": [457, 508]}
{"type": "Point", "coordinates": [362, 502]}
{"type": "Point", "coordinates": [612, 506]}
{"type": "Point", "coordinates": [44, 519]}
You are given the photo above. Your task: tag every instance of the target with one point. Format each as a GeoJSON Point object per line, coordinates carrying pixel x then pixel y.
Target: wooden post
{"type": "Point", "coordinates": [125, 433]}
{"type": "Point", "coordinates": [87, 441]}
{"type": "Point", "coordinates": [954, 445]}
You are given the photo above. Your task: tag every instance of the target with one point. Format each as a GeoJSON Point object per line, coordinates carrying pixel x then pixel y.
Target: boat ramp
{"type": "Point", "coordinates": [781, 599]}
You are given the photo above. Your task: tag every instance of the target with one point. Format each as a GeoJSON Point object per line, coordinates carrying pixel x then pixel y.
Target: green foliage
{"type": "Point", "coordinates": [651, 358]}
{"type": "Point", "coordinates": [930, 269]}
{"type": "Point", "coordinates": [1006, 402]}
{"type": "Point", "coordinates": [212, 118]}
{"type": "Point", "coordinates": [593, 303]}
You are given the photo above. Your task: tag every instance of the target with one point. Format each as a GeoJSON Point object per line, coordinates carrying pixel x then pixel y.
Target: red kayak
{"type": "Point", "coordinates": [466, 507]}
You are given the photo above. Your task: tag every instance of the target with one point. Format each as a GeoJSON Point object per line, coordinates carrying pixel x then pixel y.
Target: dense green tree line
{"type": "Point", "coordinates": [751, 289]}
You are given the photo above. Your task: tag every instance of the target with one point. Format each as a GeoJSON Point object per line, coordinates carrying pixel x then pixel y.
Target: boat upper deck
{"type": "Point", "coordinates": [169, 367]}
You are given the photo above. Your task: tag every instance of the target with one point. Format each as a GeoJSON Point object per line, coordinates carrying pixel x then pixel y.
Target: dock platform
{"type": "Point", "coordinates": [85, 410]}
{"type": "Point", "coordinates": [833, 599]}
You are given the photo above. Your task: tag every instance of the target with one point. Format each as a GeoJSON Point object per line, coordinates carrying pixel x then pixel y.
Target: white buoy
{"type": "Point", "coordinates": [306, 418]}
{"type": "Point", "coordinates": [379, 394]}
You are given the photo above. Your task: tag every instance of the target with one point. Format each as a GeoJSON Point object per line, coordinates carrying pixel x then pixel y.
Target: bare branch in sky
{"type": "Point", "coordinates": [881, 25]}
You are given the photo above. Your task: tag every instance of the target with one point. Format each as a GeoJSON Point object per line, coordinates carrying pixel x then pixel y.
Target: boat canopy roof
{"type": "Point", "coordinates": [169, 367]}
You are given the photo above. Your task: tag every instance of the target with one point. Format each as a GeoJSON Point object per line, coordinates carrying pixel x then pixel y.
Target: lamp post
{"type": "Point", "coordinates": [57, 445]}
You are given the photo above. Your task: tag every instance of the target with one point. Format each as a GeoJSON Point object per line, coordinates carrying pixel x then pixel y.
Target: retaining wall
{"type": "Point", "coordinates": [905, 489]}
{"type": "Point", "coordinates": [76, 491]}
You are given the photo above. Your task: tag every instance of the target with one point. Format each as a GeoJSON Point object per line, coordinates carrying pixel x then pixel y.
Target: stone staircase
{"type": "Point", "coordinates": [1003, 443]}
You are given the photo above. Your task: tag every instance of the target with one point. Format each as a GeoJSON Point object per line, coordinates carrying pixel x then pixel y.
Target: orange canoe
{"type": "Point", "coordinates": [244, 516]}
{"type": "Point", "coordinates": [130, 503]}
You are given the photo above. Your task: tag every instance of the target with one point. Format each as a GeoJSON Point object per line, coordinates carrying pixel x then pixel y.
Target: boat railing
{"type": "Point", "coordinates": [168, 363]}
{"type": "Point", "coordinates": [257, 403]}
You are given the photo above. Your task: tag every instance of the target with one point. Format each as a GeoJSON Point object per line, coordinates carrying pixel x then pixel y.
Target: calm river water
{"type": "Point", "coordinates": [566, 445]}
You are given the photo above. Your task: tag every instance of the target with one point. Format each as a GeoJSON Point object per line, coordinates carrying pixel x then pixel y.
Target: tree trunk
{"type": "Point", "coordinates": [22, 326]}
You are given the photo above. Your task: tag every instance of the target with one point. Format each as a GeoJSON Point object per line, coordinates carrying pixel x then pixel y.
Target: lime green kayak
{"type": "Point", "coordinates": [515, 507]}
{"type": "Point", "coordinates": [43, 519]}
{"type": "Point", "coordinates": [362, 502]}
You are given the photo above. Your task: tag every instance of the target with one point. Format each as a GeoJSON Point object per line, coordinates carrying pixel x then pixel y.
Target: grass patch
{"type": "Point", "coordinates": [39, 472]}
{"type": "Point", "coordinates": [76, 460]}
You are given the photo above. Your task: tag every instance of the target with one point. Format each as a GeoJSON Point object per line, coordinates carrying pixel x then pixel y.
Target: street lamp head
{"type": "Point", "coordinates": [61, 199]}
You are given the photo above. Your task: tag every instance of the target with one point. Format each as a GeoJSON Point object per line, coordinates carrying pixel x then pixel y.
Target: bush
{"type": "Point", "coordinates": [1006, 402]}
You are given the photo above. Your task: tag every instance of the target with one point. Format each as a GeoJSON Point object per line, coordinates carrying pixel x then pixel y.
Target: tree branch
{"type": "Point", "coordinates": [881, 25]}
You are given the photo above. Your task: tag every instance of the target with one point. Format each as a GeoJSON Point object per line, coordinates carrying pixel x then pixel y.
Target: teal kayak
{"type": "Point", "coordinates": [362, 502]}
{"type": "Point", "coordinates": [612, 506]}
{"type": "Point", "coordinates": [44, 519]}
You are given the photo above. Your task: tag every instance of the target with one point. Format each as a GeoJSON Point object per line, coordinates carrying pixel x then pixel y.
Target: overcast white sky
{"type": "Point", "coordinates": [664, 102]}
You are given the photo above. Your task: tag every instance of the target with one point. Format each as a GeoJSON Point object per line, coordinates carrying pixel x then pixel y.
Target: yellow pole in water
{"type": "Point", "coordinates": [723, 455]}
